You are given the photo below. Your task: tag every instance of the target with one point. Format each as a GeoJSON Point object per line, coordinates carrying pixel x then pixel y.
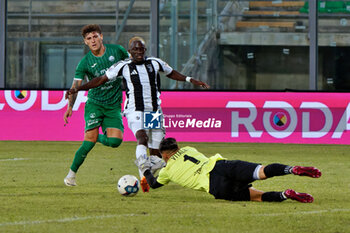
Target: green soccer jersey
{"type": "Point", "coordinates": [189, 168]}
{"type": "Point", "coordinates": [91, 67]}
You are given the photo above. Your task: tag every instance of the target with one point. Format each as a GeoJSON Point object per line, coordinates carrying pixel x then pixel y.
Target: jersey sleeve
{"type": "Point", "coordinates": [80, 70]}
{"type": "Point", "coordinates": [163, 177]}
{"type": "Point", "coordinates": [151, 180]}
{"type": "Point", "coordinates": [163, 66]}
{"type": "Point", "coordinates": [115, 70]}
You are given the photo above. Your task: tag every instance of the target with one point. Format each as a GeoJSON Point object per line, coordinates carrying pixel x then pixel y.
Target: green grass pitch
{"type": "Point", "coordinates": [33, 197]}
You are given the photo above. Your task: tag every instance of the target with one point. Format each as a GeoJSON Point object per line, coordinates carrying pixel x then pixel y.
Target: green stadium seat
{"type": "Point", "coordinates": [329, 7]}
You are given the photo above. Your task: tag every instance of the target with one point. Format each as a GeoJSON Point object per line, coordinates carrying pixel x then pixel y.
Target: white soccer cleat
{"type": "Point", "coordinates": [70, 181]}
{"type": "Point", "coordinates": [156, 164]}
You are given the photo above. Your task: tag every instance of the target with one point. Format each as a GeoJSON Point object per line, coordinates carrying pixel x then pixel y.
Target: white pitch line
{"type": "Point", "coordinates": [305, 212]}
{"type": "Point", "coordinates": [13, 159]}
{"type": "Point", "coordinates": [65, 219]}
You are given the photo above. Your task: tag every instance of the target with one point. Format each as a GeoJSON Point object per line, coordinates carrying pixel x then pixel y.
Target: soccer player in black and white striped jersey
{"type": "Point", "coordinates": [141, 75]}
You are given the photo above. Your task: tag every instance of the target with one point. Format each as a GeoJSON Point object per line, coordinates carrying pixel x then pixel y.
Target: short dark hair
{"type": "Point", "coordinates": [90, 28]}
{"type": "Point", "coordinates": [168, 144]}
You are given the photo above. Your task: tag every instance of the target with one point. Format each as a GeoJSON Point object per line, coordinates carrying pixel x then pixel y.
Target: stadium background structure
{"type": "Point", "coordinates": [223, 42]}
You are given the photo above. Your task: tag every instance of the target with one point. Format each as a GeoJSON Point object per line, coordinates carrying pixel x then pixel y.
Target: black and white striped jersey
{"type": "Point", "coordinates": [142, 82]}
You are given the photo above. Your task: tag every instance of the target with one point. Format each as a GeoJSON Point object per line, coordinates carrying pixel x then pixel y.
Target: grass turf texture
{"type": "Point", "coordinates": [33, 197]}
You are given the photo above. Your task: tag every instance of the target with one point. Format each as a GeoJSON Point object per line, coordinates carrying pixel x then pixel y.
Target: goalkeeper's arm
{"type": "Point", "coordinates": [151, 180]}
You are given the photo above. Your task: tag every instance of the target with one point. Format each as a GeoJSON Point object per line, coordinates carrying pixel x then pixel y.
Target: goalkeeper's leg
{"type": "Point", "coordinates": [257, 195]}
{"type": "Point", "coordinates": [276, 169]}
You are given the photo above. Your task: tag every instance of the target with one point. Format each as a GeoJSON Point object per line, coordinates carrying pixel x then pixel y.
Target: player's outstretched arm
{"type": "Point", "coordinates": [151, 180]}
{"type": "Point", "coordinates": [144, 165]}
{"type": "Point", "coordinates": [180, 77]}
{"type": "Point", "coordinates": [91, 84]}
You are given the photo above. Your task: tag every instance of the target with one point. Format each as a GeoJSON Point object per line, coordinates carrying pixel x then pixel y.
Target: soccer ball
{"type": "Point", "coordinates": [128, 185]}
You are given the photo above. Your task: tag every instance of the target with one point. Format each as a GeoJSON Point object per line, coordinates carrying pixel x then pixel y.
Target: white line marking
{"type": "Point", "coordinates": [13, 159]}
{"type": "Point", "coordinates": [66, 219]}
{"type": "Point", "coordinates": [305, 212]}
{"type": "Point", "coordinates": [131, 215]}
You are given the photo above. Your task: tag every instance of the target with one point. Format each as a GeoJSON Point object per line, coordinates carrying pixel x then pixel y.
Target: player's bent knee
{"type": "Point", "coordinates": [115, 142]}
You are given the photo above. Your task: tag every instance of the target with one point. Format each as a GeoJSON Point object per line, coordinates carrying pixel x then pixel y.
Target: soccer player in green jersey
{"type": "Point", "coordinates": [224, 179]}
{"type": "Point", "coordinates": [103, 107]}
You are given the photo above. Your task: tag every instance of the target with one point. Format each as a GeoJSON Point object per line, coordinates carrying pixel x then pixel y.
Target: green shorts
{"type": "Point", "coordinates": [105, 116]}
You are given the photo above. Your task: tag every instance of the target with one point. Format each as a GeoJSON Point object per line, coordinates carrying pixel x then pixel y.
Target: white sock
{"type": "Point", "coordinates": [256, 173]}
{"type": "Point", "coordinates": [71, 173]}
{"type": "Point", "coordinates": [140, 173]}
{"type": "Point", "coordinates": [141, 151]}
{"type": "Point", "coordinates": [284, 195]}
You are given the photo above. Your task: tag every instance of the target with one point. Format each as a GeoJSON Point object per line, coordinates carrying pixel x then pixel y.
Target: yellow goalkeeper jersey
{"type": "Point", "coordinates": [189, 168]}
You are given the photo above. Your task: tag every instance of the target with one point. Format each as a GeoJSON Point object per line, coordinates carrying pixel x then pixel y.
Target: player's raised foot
{"type": "Point", "coordinates": [144, 185]}
{"type": "Point", "coordinates": [301, 197]}
{"type": "Point", "coordinates": [70, 181]}
{"type": "Point", "coordinates": [156, 163]}
{"type": "Point", "coordinates": [306, 171]}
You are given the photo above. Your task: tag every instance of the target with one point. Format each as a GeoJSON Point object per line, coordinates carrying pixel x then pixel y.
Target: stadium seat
{"type": "Point", "coordinates": [329, 7]}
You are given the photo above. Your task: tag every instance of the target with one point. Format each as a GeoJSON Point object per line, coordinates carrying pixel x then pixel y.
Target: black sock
{"type": "Point", "coordinates": [273, 196]}
{"type": "Point", "coordinates": [277, 169]}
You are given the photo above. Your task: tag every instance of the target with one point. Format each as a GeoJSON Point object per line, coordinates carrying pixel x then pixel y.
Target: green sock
{"type": "Point", "coordinates": [81, 154]}
{"type": "Point", "coordinates": [102, 138]}
{"type": "Point", "coordinates": [115, 142]}
{"type": "Point", "coordinates": [112, 142]}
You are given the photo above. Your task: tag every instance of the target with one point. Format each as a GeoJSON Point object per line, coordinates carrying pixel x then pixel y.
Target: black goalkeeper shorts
{"type": "Point", "coordinates": [230, 180]}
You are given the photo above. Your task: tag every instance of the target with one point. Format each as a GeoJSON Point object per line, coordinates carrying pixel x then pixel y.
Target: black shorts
{"type": "Point", "coordinates": [230, 180]}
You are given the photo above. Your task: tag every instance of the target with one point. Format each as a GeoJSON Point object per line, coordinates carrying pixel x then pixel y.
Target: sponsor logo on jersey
{"type": "Point", "coordinates": [92, 115]}
{"type": "Point", "coordinates": [93, 65]}
{"type": "Point", "coordinates": [106, 87]}
{"type": "Point", "coordinates": [111, 58]}
{"type": "Point", "coordinates": [91, 122]}
{"type": "Point", "coordinates": [152, 120]}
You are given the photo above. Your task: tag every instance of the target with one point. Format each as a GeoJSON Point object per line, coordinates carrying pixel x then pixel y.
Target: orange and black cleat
{"type": "Point", "coordinates": [144, 185]}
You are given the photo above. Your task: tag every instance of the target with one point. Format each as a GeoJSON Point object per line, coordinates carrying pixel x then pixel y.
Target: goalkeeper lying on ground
{"type": "Point", "coordinates": [224, 179]}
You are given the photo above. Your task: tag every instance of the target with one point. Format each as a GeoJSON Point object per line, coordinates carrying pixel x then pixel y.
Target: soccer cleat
{"type": "Point", "coordinates": [306, 171]}
{"type": "Point", "coordinates": [144, 185]}
{"type": "Point", "coordinates": [70, 181]}
{"type": "Point", "coordinates": [156, 164]}
{"type": "Point", "coordinates": [301, 197]}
